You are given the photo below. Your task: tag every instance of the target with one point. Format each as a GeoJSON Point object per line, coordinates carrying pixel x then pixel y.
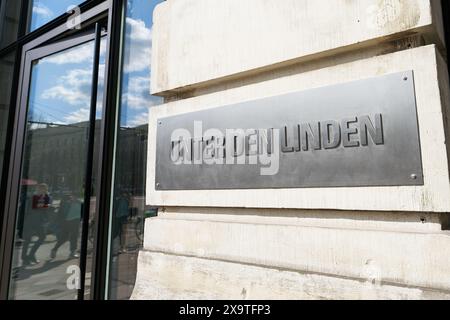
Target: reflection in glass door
{"type": "Point", "coordinates": [52, 193]}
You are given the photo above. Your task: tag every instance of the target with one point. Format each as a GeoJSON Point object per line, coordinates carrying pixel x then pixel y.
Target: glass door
{"type": "Point", "coordinates": [62, 83]}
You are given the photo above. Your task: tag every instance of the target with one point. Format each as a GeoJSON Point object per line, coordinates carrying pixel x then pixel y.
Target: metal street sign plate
{"type": "Point", "coordinates": [362, 133]}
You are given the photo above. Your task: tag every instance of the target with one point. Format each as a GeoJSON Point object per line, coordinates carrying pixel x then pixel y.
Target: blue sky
{"type": "Point", "coordinates": [61, 82]}
{"type": "Point", "coordinates": [61, 86]}
{"type": "Point", "coordinates": [46, 10]}
{"type": "Point", "coordinates": [136, 98]}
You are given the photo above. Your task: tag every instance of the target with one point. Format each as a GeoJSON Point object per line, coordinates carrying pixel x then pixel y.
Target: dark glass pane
{"type": "Point", "coordinates": [43, 11]}
{"type": "Point", "coordinates": [47, 243]}
{"type": "Point", "coordinates": [6, 76]}
{"type": "Point", "coordinates": [129, 208]}
{"type": "Point", "coordinates": [9, 21]}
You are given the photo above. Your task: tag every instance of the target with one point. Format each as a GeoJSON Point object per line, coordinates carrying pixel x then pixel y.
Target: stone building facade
{"type": "Point", "coordinates": [374, 242]}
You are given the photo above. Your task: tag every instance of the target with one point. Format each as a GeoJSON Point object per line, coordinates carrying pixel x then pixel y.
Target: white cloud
{"type": "Point", "coordinates": [139, 51]}
{"type": "Point", "coordinates": [72, 96]}
{"type": "Point", "coordinates": [139, 84]}
{"type": "Point", "coordinates": [80, 54]}
{"type": "Point", "coordinates": [41, 10]}
{"type": "Point", "coordinates": [138, 94]}
{"type": "Point", "coordinates": [81, 115]}
{"type": "Point", "coordinates": [74, 89]}
{"type": "Point", "coordinates": [139, 120]}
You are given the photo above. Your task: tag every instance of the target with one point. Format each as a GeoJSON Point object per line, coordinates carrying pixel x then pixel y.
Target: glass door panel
{"type": "Point", "coordinates": [46, 255]}
{"type": "Point", "coordinates": [129, 208]}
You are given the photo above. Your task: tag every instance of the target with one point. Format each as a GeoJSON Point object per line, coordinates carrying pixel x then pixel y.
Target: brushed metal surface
{"type": "Point", "coordinates": [385, 153]}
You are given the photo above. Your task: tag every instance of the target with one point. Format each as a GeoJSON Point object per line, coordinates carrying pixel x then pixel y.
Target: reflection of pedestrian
{"type": "Point", "coordinates": [24, 197]}
{"type": "Point", "coordinates": [35, 218]}
{"type": "Point", "coordinates": [69, 218]}
{"type": "Point", "coordinates": [121, 213]}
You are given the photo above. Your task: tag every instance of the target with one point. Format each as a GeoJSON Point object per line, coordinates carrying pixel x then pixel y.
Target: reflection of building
{"type": "Point", "coordinates": [9, 13]}
{"type": "Point", "coordinates": [6, 68]}
{"type": "Point", "coordinates": [56, 164]}
{"type": "Point", "coordinates": [8, 16]}
{"type": "Point", "coordinates": [54, 161]}
{"type": "Point", "coordinates": [131, 161]}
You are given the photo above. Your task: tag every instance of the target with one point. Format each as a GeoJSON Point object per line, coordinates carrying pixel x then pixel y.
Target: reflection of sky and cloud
{"type": "Point", "coordinates": [61, 94]}
{"type": "Point", "coordinates": [46, 10]}
{"type": "Point", "coordinates": [61, 86]}
{"type": "Point", "coordinates": [136, 98]}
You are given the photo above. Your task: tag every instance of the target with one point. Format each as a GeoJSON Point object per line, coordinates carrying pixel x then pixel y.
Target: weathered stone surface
{"type": "Point", "coordinates": [200, 41]}
{"type": "Point", "coordinates": [163, 277]}
{"type": "Point", "coordinates": [404, 257]}
{"type": "Point", "coordinates": [431, 107]}
{"type": "Point", "coordinates": [389, 242]}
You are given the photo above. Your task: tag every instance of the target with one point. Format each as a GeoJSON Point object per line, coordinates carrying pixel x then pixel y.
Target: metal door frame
{"type": "Point", "coordinates": [41, 47]}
